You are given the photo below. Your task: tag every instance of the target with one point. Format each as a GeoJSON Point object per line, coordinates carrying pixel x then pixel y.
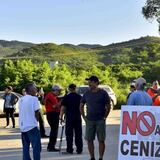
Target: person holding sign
{"type": "Point", "coordinates": [98, 108]}
{"type": "Point", "coordinates": [140, 97]}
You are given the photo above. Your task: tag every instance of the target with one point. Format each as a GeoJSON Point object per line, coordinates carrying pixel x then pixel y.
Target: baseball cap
{"type": "Point", "coordinates": [56, 88]}
{"type": "Point", "coordinates": [92, 78]}
{"type": "Point", "coordinates": [132, 84]}
{"type": "Point", "coordinates": [140, 81]}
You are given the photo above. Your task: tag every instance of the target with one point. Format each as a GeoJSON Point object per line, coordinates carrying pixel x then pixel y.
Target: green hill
{"type": "Point", "coordinates": [47, 50]}
{"type": "Point", "coordinates": [10, 47]}
{"type": "Point", "coordinates": [141, 42]}
{"type": "Point", "coordinates": [90, 46]}
{"type": "Point", "coordinates": [137, 51]}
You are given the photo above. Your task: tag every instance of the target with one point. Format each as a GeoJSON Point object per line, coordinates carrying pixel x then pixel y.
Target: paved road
{"type": "Point", "coordinates": [11, 148]}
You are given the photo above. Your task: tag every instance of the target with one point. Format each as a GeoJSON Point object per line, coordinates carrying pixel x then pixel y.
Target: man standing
{"type": "Point", "coordinates": [70, 106]}
{"type": "Point", "coordinates": [28, 122]}
{"type": "Point", "coordinates": [98, 108]}
{"type": "Point", "coordinates": [10, 100]}
{"type": "Point", "coordinates": [52, 105]}
{"type": "Point", "coordinates": [140, 97]}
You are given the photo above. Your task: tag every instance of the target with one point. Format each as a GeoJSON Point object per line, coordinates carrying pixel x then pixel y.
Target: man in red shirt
{"type": "Point", "coordinates": [52, 105]}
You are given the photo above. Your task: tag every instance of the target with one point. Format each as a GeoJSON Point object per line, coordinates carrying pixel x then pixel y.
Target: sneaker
{"type": "Point", "coordinates": [92, 159]}
{"type": "Point", "coordinates": [7, 126]}
{"type": "Point", "coordinates": [52, 150]}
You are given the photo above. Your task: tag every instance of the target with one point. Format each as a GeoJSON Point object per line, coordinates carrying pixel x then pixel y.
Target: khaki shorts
{"type": "Point", "coordinates": [94, 128]}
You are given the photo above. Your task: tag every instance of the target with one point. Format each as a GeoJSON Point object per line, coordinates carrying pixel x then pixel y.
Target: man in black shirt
{"type": "Point", "coordinates": [70, 106]}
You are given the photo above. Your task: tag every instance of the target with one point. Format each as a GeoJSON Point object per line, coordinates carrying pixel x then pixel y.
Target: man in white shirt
{"type": "Point", "coordinates": [28, 122]}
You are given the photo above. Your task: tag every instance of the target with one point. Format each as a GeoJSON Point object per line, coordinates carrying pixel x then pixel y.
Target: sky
{"type": "Point", "coordinates": [74, 21]}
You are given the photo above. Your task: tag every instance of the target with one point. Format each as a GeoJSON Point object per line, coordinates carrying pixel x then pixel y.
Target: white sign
{"type": "Point", "coordinates": [139, 133]}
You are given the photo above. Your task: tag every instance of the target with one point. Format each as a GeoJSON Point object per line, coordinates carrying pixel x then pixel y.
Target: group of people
{"type": "Point", "coordinates": [140, 96]}
{"type": "Point", "coordinates": [69, 109]}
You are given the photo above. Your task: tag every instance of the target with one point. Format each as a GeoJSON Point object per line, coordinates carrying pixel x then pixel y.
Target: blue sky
{"type": "Point", "coordinates": [74, 21]}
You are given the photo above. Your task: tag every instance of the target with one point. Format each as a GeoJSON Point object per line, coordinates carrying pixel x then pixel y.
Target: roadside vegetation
{"type": "Point", "coordinates": [116, 65]}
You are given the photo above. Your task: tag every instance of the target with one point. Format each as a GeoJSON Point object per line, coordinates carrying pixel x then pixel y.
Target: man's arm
{"type": "Point", "coordinates": [108, 109]}
{"type": "Point", "coordinates": [62, 112]}
{"type": "Point", "coordinates": [82, 110]}
{"type": "Point", "coordinates": [107, 106]}
{"type": "Point", "coordinates": [14, 99]}
{"type": "Point", "coordinates": [37, 115]}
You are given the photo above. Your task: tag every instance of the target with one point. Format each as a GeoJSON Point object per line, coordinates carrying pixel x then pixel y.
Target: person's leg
{"type": "Point", "coordinates": [78, 136]}
{"type": "Point", "coordinates": [55, 128]}
{"type": "Point", "coordinates": [35, 139]}
{"type": "Point", "coordinates": [69, 136]}
{"type": "Point", "coordinates": [101, 149]}
{"type": "Point", "coordinates": [41, 124]}
{"type": "Point", "coordinates": [90, 136]}
{"type": "Point", "coordinates": [25, 144]}
{"type": "Point", "coordinates": [101, 135]}
{"type": "Point", "coordinates": [12, 116]}
{"type": "Point", "coordinates": [91, 149]}
{"type": "Point", "coordinates": [53, 120]}
{"type": "Point", "coordinates": [7, 116]}
{"type": "Point", "coordinates": [50, 122]}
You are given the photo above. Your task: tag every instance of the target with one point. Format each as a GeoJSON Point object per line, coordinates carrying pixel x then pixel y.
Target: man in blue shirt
{"type": "Point", "coordinates": [98, 108]}
{"type": "Point", "coordinates": [140, 96]}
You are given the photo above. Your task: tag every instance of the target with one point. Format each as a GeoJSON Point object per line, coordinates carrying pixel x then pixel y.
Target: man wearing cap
{"type": "Point", "coordinates": [98, 108]}
{"type": "Point", "coordinates": [70, 106]}
{"type": "Point", "coordinates": [52, 105]}
{"type": "Point", "coordinates": [140, 97]}
{"type": "Point", "coordinates": [10, 100]}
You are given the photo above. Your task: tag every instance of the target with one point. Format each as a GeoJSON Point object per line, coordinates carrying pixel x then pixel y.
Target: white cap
{"type": "Point", "coordinates": [140, 81]}
{"type": "Point", "coordinates": [56, 88]}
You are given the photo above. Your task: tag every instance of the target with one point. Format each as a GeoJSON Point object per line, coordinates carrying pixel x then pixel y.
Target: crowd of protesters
{"type": "Point", "coordinates": [69, 109]}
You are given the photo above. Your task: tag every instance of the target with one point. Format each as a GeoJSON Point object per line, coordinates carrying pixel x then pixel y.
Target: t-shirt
{"type": "Point", "coordinates": [51, 100]}
{"type": "Point", "coordinates": [151, 92]}
{"type": "Point", "coordinates": [72, 103]}
{"type": "Point", "coordinates": [27, 106]}
{"type": "Point", "coordinates": [157, 101]}
{"type": "Point", "coordinates": [7, 103]}
{"type": "Point", "coordinates": [96, 104]}
{"type": "Point", "coordinates": [140, 98]}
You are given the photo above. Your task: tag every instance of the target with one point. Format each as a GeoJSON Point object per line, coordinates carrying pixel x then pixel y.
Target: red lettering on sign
{"type": "Point", "coordinates": [129, 122]}
{"type": "Point", "coordinates": [133, 123]}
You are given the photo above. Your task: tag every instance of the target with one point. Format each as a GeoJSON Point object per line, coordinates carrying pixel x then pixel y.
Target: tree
{"type": "Point", "coordinates": [151, 10]}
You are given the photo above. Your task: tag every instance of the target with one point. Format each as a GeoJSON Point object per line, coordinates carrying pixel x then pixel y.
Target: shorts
{"type": "Point", "coordinates": [94, 128]}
